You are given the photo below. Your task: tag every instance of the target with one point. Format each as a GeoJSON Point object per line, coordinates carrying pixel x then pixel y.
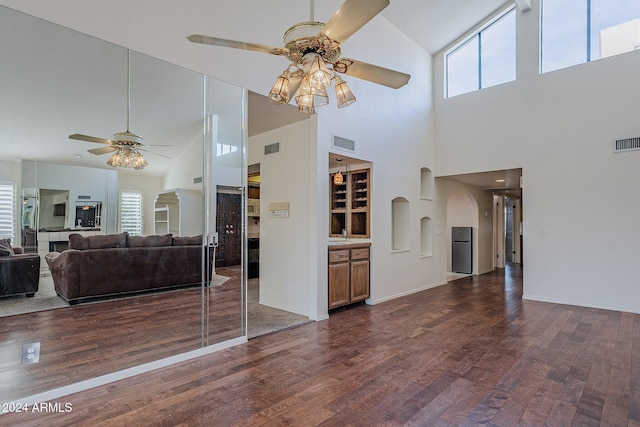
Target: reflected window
{"type": "Point", "coordinates": [223, 149]}
{"type": "Point", "coordinates": [485, 59]}
{"type": "Point", "coordinates": [578, 31]}
{"type": "Point", "coordinates": [131, 212]}
{"type": "Point", "coordinates": [7, 211]}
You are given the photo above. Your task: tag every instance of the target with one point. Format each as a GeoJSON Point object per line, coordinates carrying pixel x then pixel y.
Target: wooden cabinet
{"type": "Point", "coordinates": [253, 192]}
{"type": "Point", "coordinates": [349, 204]}
{"type": "Point", "coordinates": [348, 274]}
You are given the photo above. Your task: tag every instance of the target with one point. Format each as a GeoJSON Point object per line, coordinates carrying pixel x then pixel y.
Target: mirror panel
{"type": "Point", "coordinates": [60, 82]}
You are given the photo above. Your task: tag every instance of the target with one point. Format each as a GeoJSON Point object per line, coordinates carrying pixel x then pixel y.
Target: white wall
{"type": "Point", "coordinates": [285, 248]}
{"type": "Point", "coordinates": [186, 168]}
{"type": "Point", "coordinates": [393, 129]}
{"type": "Point", "coordinates": [468, 206]}
{"type": "Point", "coordinates": [150, 187]}
{"type": "Point", "coordinates": [580, 200]}
{"type": "Point", "coordinates": [101, 185]}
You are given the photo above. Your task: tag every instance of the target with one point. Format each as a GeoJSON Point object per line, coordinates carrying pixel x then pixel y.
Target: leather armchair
{"type": "Point", "coordinates": [19, 274]}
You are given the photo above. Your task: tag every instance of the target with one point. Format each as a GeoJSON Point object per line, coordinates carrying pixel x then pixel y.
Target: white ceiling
{"type": "Point", "coordinates": [434, 24]}
{"type": "Point", "coordinates": [38, 110]}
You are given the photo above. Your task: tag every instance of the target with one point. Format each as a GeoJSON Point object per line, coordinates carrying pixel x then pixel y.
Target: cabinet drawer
{"type": "Point", "coordinates": [361, 253]}
{"type": "Point", "coordinates": [339, 256]}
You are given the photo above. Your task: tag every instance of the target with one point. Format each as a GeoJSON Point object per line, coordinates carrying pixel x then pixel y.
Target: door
{"type": "Point", "coordinates": [229, 229]}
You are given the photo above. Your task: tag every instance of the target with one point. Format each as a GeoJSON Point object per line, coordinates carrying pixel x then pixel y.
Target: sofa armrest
{"type": "Point", "coordinates": [18, 250]}
{"type": "Point", "coordinates": [19, 274]}
{"type": "Point", "coordinates": [65, 272]}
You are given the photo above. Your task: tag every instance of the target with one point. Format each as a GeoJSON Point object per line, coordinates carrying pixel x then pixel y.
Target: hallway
{"type": "Point", "coordinates": [467, 353]}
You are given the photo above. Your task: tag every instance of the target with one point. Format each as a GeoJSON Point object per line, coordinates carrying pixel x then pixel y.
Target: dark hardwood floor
{"type": "Point", "coordinates": [467, 353]}
{"type": "Point", "coordinates": [92, 339]}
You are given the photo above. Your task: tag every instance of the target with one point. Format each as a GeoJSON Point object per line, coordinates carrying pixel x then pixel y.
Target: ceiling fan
{"type": "Point", "coordinates": [126, 145]}
{"type": "Point", "coordinates": [311, 46]}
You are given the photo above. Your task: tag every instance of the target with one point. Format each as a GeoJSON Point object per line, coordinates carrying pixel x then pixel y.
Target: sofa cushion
{"type": "Point", "coordinates": [100, 241]}
{"type": "Point", "coordinates": [148, 241]}
{"type": "Point", "coordinates": [187, 241]}
{"type": "Point", "coordinates": [5, 247]}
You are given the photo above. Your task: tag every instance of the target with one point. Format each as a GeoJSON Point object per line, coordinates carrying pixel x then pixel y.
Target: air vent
{"type": "Point", "coordinates": [343, 143]}
{"type": "Point", "coordinates": [272, 148]}
{"type": "Point", "coordinates": [626, 144]}
{"type": "Point", "coordinates": [197, 180]}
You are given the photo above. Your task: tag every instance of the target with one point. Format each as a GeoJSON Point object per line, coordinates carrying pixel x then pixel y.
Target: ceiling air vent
{"type": "Point", "coordinates": [343, 143]}
{"type": "Point", "coordinates": [272, 148]}
{"type": "Point", "coordinates": [626, 144]}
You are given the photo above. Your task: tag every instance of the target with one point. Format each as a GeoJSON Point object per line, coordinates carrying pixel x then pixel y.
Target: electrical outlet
{"type": "Point", "coordinates": [30, 353]}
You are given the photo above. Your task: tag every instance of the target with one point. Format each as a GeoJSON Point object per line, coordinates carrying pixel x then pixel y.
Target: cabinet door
{"type": "Point", "coordinates": [359, 280]}
{"type": "Point", "coordinates": [339, 291]}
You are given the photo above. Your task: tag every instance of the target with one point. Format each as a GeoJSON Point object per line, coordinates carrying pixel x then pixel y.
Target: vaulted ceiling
{"type": "Point", "coordinates": [433, 24]}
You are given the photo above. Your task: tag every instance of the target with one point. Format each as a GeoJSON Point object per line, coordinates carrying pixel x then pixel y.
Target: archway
{"type": "Point", "coordinates": [462, 211]}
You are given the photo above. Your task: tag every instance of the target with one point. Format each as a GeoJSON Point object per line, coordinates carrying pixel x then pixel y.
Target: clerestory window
{"type": "Point", "coordinates": [578, 31]}
{"type": "Point", "coordinates": [485, 59]}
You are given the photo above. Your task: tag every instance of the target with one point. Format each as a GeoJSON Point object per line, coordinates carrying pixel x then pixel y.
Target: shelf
{"type": "Point", "coordinates": [349, 204]}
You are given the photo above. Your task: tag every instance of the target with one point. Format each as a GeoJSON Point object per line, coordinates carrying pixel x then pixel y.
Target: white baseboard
{"type": "Point", "coordinates": [413, 291]}
{"type": "Point", "coordinates": [530, 297]}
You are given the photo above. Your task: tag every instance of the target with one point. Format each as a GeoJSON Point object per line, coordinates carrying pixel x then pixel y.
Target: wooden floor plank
{"type": "Point", "coordinates": [467, 353]}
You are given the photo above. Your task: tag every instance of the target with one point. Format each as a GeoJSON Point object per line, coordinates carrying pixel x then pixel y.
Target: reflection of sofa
{"type": "Point", "coordinates": [113, 264]}
{"type": "Point", "coordinates": [19, 272]}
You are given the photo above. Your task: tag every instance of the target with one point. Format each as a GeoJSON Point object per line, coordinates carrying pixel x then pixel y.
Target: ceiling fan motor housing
{"type": "Point", "coordinates": [127, 138]}
{"type": "Point", "coordinates": [304, 38]}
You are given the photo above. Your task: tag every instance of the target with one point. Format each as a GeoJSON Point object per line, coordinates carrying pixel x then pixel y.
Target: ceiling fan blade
{"type": "Point", "coordinates": [102, 150]}
{"type": "Point", "coordinates": [88, 138]}
{"type": "Point", "coordinates": [372, 73]}
{"type": "Point", "coordinates": [199, 38]}
{"type": "Point", "coordinates": [154, 153]}
{"type": "Point", "coordinates": [352, 16]}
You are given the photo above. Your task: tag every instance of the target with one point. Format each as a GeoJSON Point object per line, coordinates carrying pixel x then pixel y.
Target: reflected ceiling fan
{"type": "Point", "coordinates": [125, 145]}
{"type": "Point", "coordinates": [313, 47]}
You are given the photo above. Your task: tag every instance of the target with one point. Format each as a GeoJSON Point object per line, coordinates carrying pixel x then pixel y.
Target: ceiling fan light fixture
{"type": "Point", "coordinates": [344, 96]}
{"type": "Point", "coordinates": [127, 158]}
{"type": "Point", "coordinates": [116, 159]}
{"type": "Point", "coordinates": [280, 90]}
{"type": "Point", "coordinates": [139, 162]}
{"type": "Point", "coordinates": [319, 73]}
{"type": "Point", "coordinates": [310, 109]}
{"type": "Point", "coordinates": [308, 96]}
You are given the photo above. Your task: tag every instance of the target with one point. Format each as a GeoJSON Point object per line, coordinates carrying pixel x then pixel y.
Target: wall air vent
{"type": "Point", "coordinates": [272, 148]}
{"type": "Point", "coordinates": [343, 143]}
{"type": "Point", "coordinates": [626, 144]}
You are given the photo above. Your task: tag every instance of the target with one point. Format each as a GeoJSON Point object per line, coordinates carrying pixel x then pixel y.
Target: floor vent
{"type": "Point", "coordinates": [272, 148]}
{"type": "Point", "coordinates": [343, 143]}
{"type": "Point", "coordinates": [626, 144]}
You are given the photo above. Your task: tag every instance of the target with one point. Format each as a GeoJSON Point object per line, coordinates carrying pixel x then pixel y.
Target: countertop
{"type": "Point", "coordinates": [348, 243]}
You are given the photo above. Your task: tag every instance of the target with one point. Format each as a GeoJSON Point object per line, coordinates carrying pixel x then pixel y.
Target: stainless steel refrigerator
{"type": "Point", "coordinates": [461, 249]}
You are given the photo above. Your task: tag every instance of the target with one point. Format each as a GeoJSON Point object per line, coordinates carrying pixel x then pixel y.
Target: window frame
{"type": "Point", "coordinates": [587, 51]}
{"type": "Point", "coordinates": [122, 211]}
{"type": "Point", "coordinates": [477, 33]}
{"type": "Point", "coordinates": [10, 207]}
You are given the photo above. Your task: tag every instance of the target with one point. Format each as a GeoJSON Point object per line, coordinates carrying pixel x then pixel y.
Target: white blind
{"type": "Point", "coordinates": [131, 213]}
{"type": "Point", "coordinates": [7, 210]}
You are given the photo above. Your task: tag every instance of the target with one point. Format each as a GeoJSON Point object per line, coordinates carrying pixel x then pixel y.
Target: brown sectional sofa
{"type": "Point", "coordinates": [114, 264]}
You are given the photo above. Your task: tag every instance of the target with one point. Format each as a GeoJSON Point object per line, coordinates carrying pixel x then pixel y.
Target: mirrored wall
{"type": "Point", "coordinates": [131, 266]}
